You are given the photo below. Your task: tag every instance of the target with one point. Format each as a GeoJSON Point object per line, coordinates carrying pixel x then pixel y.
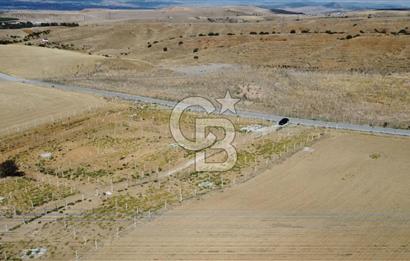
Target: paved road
{"type": "Point", "coordinates": [242, 114]}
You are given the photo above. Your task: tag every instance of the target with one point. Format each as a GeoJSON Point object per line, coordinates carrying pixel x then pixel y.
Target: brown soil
{"type": "Point", "coordinates": [336, 203]}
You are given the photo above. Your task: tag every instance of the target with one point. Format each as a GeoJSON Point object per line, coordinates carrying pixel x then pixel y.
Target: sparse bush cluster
{"type": "Point", "coordinates": [401, 32]}
{"type": "Point", "coordinates": [63, 46]}
{"type": "Point", "coordinates": [36, 35]}
{"type": "Point", "coordinates": [381, 31]}
{"type": "Point", "coordinates": [213, 34]}
{"type": "Point", "coordinates": [54, 45]}
{"type": "Point", "coordinates": [9, 168]}
{"type": "Point", "coordinates": [70, 24]}
{"type": "Point", "coordinates": [80, 172]}
{"type": "Point", "coordinates": [149, 44]}
{"type": "Point", "coordinates": [330, 32]}
{"type": "Point", "coordinates": [16, 25]}
{"type": "Point", "coordinates": [349, 37]}
{"type": "Point", "coordinates": [15, 38]}
{"type": "Point", "coordinates": [375, 156]}
{"type": "Point", "coordinates": [8, 19]}
{"type": "Point", "coordinates": [5, 42]}
{"type": "Point", "coordinates": [21, 25]}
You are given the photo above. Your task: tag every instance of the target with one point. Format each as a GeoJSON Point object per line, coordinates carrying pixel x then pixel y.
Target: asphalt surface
{"type": "Point", "coordinates": [242, 114]}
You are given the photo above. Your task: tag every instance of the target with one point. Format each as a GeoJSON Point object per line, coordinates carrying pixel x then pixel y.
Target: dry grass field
{"type": "Point", "coordinates": [24, 106]}
{"type": "Point", "coordinates": [312, 67]}
{"type": "Point", "coordinates": [104, 179]}
{"type": "Point", "coordinates": [41, 63]}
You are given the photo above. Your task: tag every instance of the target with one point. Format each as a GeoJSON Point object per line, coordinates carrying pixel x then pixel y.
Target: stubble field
{"type": "Point", "coordinates": [25, 106]}
{"type": "Point", "coordinates": [339, 202]}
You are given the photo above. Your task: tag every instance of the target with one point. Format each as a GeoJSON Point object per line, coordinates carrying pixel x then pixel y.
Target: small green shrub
{"type": "Point", "coordinates": [375, 156]}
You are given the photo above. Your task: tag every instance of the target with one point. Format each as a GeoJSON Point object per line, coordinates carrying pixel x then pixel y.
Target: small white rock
{"type": "Point", "coordinates": [308, 149]}
{"type": "Point", "coordinates": [46, 155]}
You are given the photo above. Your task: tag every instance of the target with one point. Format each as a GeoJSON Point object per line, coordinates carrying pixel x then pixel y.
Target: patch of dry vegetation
{"type": "Point", "coordinates": [120, 149]}
{"type": "Point", "coordinates": [21, 195]}
{"type": "Point", "coordinates": [378, 100]}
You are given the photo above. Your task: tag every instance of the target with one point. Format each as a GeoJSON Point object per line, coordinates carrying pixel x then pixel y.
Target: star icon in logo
{"type": "Point", "coordinates": [228, 103]}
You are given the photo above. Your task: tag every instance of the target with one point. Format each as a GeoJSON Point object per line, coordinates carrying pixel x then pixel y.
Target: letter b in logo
{"type": "Point", "coordinates": [203, 140]}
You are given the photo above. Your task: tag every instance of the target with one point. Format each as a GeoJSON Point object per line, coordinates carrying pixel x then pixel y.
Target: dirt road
{"type": "Point", "coordinates": [346, 200]}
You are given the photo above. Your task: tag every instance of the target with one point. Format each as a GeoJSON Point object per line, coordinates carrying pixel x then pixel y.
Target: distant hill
{"type": "Point", "coordinates": [282, 11]}
{"type": "Point", "coordinates": [333, 5]}
{"type": "Point", "coordinates": [341, 5]}
{"type": "Point", "coordinates": [75, 5]}
{"type": "Point", "coordinates": [277, 6]}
